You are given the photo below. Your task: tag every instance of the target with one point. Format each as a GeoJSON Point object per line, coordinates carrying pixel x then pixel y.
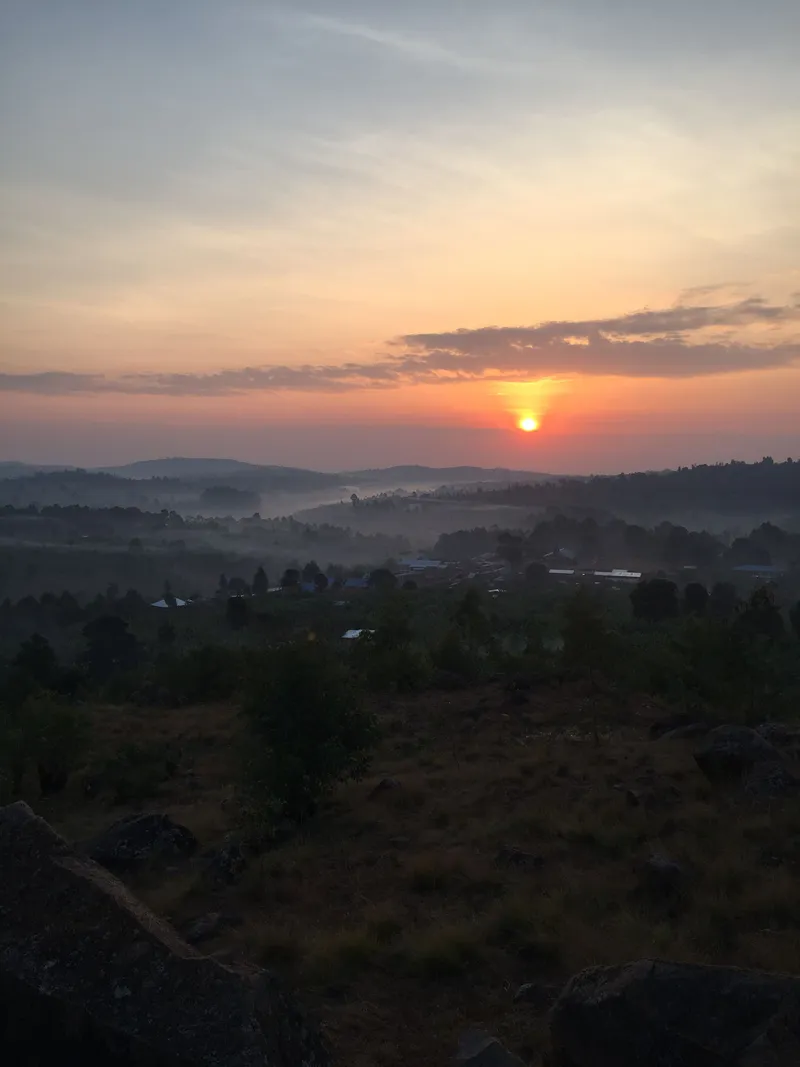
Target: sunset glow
{"type": "Point", "coordinates": [454, 231]}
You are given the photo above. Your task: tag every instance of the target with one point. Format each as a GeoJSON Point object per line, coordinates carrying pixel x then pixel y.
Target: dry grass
{"type": "Point", "coordinates": [393, 915]}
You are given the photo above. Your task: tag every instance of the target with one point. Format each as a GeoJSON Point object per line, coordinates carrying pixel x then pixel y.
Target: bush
{"type": "Point", "coordinates": [133, 773]}
{"type": "Point", "coordinates": [43, 733]}
{"type": "Point", "coordinates": [305, 730]}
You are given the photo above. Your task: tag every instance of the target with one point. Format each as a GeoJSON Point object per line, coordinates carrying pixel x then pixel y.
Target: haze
{"type": "Point", "coordinates": [354, 233]}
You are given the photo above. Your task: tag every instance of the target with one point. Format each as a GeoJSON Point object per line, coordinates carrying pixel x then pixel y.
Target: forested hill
{"type": "Point", "coordinates": [735, 488]}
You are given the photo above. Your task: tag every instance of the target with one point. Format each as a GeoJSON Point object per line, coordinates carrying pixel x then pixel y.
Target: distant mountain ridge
{"type": "Point", "coordinates": [203, 469]}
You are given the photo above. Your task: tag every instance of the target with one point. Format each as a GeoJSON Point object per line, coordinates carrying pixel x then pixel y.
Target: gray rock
{"type": "Point", "coordinates": [691, 729]}
{"type": "Point", "coordinates": [141, 837]}
{"type": "Point", "coordinates": [537, 994]}
{"type": "Point", "coordinates": [730, 752]}
{"type": "Point", "coordinates": [385, 785]}
{"type": "Point", "coordinates": [89, 976]}
{"type": "Point", "coordinates": [515, 857]}
{"type": "Point", "coordinates": [207, 926]}
{"type": "Point", "coordinates": [777, 733]}
{"type": "Point", "coordinates": [226, 865]}
{"type": "Point", "coordinates": [768, 781]}
{"type": "Point", "coordinates": [476, 1048]}
{"type": "Point", "coordinates": [662, 881]}
{"type": "Point", "coordinates": [663, 1014]}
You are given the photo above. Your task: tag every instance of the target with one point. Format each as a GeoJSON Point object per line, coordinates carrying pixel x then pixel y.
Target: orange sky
{"type": "Point", "coordinates": [162, 216]}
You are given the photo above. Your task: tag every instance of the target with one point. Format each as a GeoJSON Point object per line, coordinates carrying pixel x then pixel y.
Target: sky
{"type": "Point", "coordinates": [340, 233]}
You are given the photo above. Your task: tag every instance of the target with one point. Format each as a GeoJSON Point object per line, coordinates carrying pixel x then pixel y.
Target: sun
{"type": "Point", "coordinates": [528, 424]}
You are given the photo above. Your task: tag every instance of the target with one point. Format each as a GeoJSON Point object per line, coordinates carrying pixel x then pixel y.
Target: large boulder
{"type": "Point", "coordinates": [140, 837]}
{"type": "Point", "coordinates": [90, 976]}
{"type": "Point", "coordinates": [730, 752]}
{"type": "Point", "coordinates": [663, 1014]}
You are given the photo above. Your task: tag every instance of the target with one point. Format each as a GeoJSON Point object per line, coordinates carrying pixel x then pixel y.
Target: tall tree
{"type": "Point", "coordinates": [260, 582]}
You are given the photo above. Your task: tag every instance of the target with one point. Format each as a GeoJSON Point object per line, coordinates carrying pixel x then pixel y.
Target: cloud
{"type": "Point", "coordinates": [667, 343]}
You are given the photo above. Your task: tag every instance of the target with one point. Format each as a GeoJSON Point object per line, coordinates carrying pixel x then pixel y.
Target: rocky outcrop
{"type": "Point", "coordinates": [731, 752]}
{"type": "Point", "coordinates": [90, 976]}
{"type": "Point", "coordinates": [476, 1048]}
{"type": "Point", "coordinates": [676, 1015]}
{"type": "Point", "coordinates": [139, 838]}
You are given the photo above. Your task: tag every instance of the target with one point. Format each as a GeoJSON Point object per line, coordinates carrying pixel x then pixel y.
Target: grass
{"type": "Point", "coordinates": [392, 916]}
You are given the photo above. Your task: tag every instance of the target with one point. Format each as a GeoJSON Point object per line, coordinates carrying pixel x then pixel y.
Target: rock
{"type": "Point", "coordinates": [777, 734]}
{"type": "Point", "coordinates": [208, 926]}
{"type": "Point", "coordinates": [662, 880]}
{"type": "Point", "coordinates": [476, 1048]}
{"type": "Point", "coordinates": [515, 857]}
{"type": "Point", "coordinates": [770, 780]}
{"type": "Point", "coordinates": [226, 865]}
{"type": "Point", "coordinates": [89, 976]}
{"type": "Point", "coordinates": [691, 729]}
{"type": "Point", "coordinates": [141, 837]}
{"type": "Point", "coordinates": [731, 751]}
{"type": "Point", "coordinates": [537, 994]}
{"type": "Point", "coordinates": [675, 723]}
{"type": "Point", "coordinates": [662, 1014]}
{"type": "Point", "coordinates": [385, 785]}
{"type": "Point", "coordinates": [448, 681]}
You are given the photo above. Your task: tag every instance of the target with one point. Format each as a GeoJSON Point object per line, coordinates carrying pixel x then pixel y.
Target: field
{"type": "Point", "coordinates": [505, 847]}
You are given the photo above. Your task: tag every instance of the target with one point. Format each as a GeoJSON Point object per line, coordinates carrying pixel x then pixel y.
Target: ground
{"type": "Point", "coordinates": [405, 917]}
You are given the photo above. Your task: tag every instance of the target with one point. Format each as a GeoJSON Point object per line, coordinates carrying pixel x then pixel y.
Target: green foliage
{"type": "Point", "coordinates": [237, 612]}
{"type": "Point", "coordinates": [655, 600]}
{"type": "Point", "coordinates": [589, 645]}
{"type": "Point", "coordinates": [388, 658]}
{"type": "Point", "coordinates": [306, 730]}
{"type": "Point", "coordinates": [260, 582]}
{"type": "Point", "coordinates": [200, 676]}
{"type": "Point", "coordinates": [43, 733]}
{"type": "Point", "coordinates": [134, 773]}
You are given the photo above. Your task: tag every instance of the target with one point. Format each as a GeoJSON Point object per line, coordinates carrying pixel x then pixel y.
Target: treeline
{"type": "Point", "coordinates": [734, 488]}
{"type": "Point", "coordinates": [617, 543]}
{"type": "Point", "coordinates": [305, 724]}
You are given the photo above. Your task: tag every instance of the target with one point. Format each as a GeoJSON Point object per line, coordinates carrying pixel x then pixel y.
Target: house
{"type": "Point", "coordinates": [353, 635]}
{"type": "Point", "coordinates": [355, 583]}
{"type": "Point", "coordinates": [163, 604]}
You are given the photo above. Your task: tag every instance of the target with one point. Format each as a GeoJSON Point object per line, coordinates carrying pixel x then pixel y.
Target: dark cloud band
{"type": "Point", "coordinates": [669, 343]}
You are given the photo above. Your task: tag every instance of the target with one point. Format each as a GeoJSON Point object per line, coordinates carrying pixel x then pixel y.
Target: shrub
{"type": "Point", "coordinates": [44, 733]}
{"type": "Point", "coordinates": [305, 730]}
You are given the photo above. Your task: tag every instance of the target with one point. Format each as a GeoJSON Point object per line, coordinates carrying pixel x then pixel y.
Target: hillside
{"type": "Point", "coordinates": [503, 850]}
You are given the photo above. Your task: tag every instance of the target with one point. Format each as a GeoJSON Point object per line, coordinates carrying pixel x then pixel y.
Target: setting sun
{"type": "Point", "coordinates": [528, 424]}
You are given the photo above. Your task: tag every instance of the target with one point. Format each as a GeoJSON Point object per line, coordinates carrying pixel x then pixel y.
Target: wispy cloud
{"type": "Point", "coordinates": [671, 342]}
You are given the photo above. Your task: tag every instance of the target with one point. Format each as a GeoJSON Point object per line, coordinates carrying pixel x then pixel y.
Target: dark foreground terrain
{"type": "Point", "coordinates": [502, 842]}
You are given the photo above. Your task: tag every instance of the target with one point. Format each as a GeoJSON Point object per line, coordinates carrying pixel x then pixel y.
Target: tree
{"type": "Point", "coordinates": [237, 612]}
{"type": "Point", "coordinates": [310, 571]}
{"type": "Point", "coordinates": [222, 586]}
{"type": "Point", "coordinates": [238, 587]}
{"type": "Point", "coordinates": [166, 635]}
{"type": "Point", "coordinates": [169, 596]}
{"type": "Point", "coordinates": [290, 579]}
{"type": "Point", "coordinates": [510, 548]}
{"type": "Point", "coordinates": [260, 582]}
{"type": "Point", "coordinates": [320, 582]}
{"type": "Point", "coordinates": [37, 660]}
{"type": "Point", "coordinates": [655, 600]}
{"type": "Point", "coordinates": [695, 599]}
{"type": "Point", "coordinates": [794, 619]}
{"type": "Point", "coordinates": [723, 601]}
{"type": "Point", "coordinates": [306, 730]}
{"type": "Point", "coordinates": [383, 579]}
{"type": "Point", "coordinates": [471, 620]}
{"type": "Point", "coordinates": [588, 643]}
{"type": "Point", "coordinates": [536, 575]}
{"type": "Point", "coordinates": [110, 647]}
{"type": "Point", "coordinates": [761, 616]}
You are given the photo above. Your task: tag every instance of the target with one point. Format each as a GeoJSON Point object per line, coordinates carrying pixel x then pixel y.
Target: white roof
{"type": "Point", "coordinates": [164, 604]}
{"type": "Point", "coordinates": [353, 635]}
